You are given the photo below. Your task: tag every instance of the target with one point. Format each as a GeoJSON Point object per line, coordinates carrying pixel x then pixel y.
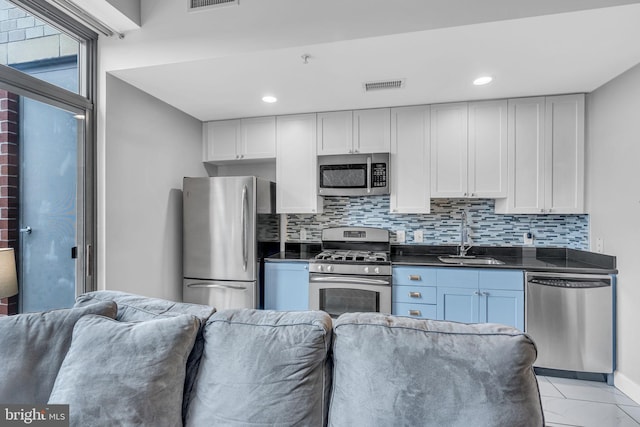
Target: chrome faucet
{"type": "Point", "coordinates": [464, 246]}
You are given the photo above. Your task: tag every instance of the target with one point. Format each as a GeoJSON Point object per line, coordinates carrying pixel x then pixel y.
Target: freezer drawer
{"type": "Point", "coordinates": [221, 294]}
{"type": "Point", "coordinates": [570, 318]}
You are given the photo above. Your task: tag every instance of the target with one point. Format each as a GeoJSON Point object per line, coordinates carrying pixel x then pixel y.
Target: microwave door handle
{"type": "Point", "coordinates": [368, 174]}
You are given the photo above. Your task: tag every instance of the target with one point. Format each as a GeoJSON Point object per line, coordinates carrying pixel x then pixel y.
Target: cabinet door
{"type": "Point", "coordinates": [222, 140]}
{"type": "Point", "coordinates": [410, 160]}
{"type": "Point", "coordinates": [296, 165]}
{"type": "Point", "coordinates": [258, 138]}
{"type": "Point", "coordinates": [335, 133]}
{"type": "Point", "coordinates": [487, 155]}
{"type": "Point", "coordinates": [458, 304]}
{"type": "Point", "coordinates": [505, 307]}
{"type": "Point", "coordinates": [564, 154]}
{"type": "Point", "coordinates": [449, 150]}
{"type": "Point", "coordinates": [526, 124]}
{"type": "Point", "coordinates": [286, 286]}
{"type": "Point", "coordinates": [372, 130]}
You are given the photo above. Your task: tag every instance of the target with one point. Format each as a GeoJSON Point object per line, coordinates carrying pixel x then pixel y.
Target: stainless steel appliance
{"type": "Point", "coordinates": [570, 318]}
{"type": "Point", "coordinates": [220, 250]}
{"type": "Point", "coordinates": [353, 174]}
{"type": "Point", "coordinates": [352, 273]}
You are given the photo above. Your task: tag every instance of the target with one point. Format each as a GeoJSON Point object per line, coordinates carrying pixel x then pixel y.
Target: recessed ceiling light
{"type": "Point", "coordinates": [482, 80]}
{"type": "Point", "coordinates": [269, 99]}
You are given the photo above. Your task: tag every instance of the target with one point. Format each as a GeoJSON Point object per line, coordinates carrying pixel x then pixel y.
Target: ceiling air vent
{"type": "Point", "coordinates": [384, 84]}
{"type": "Point", "coordinates": [209, 4]}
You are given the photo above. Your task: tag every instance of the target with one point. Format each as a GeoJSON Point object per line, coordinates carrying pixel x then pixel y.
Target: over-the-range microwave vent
{"type": "Point", "coordinates": [383, 84]}
{"type": "Point", "coordinates": [208, 4]}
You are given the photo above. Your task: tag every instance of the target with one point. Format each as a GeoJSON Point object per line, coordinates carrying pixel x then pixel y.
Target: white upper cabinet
{"type": "Point", "coordinates": [487, 155]}
{"type": "Point", "coordinates": [335, 133]}
{"type": "Point", "coordinates": [296, 167]}
{"type": "Point", "coordinates": [546, 156]}
{"type": "Point", "coordinates": [410, 160]}
{"type": "Point", "coordinates": [469, 149]}
{"type": "Point", "coordinates": [244, 139]}
{"type": "Point", "coordinates": [350, 132]}
{"type": "Point", "coordinates": [221, 140]}
{"type": "Point", "coordinates": [372, 130]}
{"type": "Point", "coordinates": [564, 154]}
{"type": "Point", "coordinates": [449, 150]}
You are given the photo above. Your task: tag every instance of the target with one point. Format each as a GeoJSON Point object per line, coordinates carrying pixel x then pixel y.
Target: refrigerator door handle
{"type": "Point", "coordinates": [245, 254]}
{"type": "Point", "coordinates": [215, 285]}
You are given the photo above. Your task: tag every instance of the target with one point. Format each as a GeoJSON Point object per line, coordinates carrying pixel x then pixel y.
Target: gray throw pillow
{"type": "Point", "coordinates": [128, 374]}
{"type": "Point", "coordinates": [33, 347]}
{"type": "Point", "coordinates": [263, 368]}
{"type": "Point", "coordinates": [138, 308]}
{"type": "Point", "coordinates": [401, 371]}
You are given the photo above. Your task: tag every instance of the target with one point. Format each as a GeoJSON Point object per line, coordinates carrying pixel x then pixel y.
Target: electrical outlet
{"type": "Point", "coordinates": [400, 236]}
{"type": "Point", "coordinates": [599, 245]}
{"type": "Point", "coordinates": [418, 236]}
{"type": "Point", "coordinates": [303, 234]}
{"type": "Point", "coordinates": [528, 238]}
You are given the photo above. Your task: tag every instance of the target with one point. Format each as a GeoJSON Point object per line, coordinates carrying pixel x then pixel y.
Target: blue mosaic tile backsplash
{"type": "Point", "coordinates": [442, 225]}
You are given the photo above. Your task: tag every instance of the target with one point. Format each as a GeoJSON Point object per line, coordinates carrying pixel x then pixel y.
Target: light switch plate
{"type": "Point", "coordinates": [599, 245]}
{"type": "Point", "coordinates": [528, 238]}
{"type": "Point", "coordinates": [400, 236]}
{"type": "Point", "coordinates": [418, 236]}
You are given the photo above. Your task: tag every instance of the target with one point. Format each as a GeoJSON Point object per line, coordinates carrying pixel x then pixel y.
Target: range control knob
{"type": "Point", "coordinates": [376, 270]}
{"type": "Point", "coordinates": [329, 268]}
{"type": "Point", "coordinates": [366, 269]}
{"type": "Point", "coordinates": [319, 267]}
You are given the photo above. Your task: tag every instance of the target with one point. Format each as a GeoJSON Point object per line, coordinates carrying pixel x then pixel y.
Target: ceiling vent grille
{"type": "Point", "coordinates": [209, 4]}
{"type": "Point", "coordinates": [383, 85]}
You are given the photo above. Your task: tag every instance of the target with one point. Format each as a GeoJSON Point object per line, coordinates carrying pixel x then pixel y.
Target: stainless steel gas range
{"type": "Point", "coordinates": [352, 273]}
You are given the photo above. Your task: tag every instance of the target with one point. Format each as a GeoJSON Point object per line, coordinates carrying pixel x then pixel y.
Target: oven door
{"type": "Point", "coordinates": [337, 294]}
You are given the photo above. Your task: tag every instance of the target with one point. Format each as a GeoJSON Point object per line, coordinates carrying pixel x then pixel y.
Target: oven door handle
{"type": "Point", "coordinates": [350, 280]}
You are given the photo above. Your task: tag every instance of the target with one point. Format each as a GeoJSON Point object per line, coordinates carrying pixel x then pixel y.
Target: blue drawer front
{"type": "Point", "coordinates": [458, 277]}
{"type": "Point", "coordinates": [414, 276]}
{"type": "Point", "coordinates": [510, 280]}
{"type": "Point", "coordinates": [421, 311]}
{"type": "Point", "coordinates": [414, 294]}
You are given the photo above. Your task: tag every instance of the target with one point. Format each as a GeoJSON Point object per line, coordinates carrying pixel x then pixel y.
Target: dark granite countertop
{"type": "Point", "coordinates": [514, 257]}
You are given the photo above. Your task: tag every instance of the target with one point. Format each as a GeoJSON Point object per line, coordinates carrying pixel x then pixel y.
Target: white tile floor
{"type": "Point", "coordinates": [568, 402]}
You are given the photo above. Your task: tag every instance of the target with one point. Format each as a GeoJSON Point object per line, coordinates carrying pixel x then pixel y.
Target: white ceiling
{"type": "Point", "coordinates": [218, 63]}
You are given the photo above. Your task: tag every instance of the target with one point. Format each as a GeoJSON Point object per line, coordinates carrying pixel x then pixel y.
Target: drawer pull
{"type": "Point", "coordinates": [415, 294]}
{"type": "Point", "coordinates": [415, 313]}
{"type": "Point", "coordinates": [415, 277]}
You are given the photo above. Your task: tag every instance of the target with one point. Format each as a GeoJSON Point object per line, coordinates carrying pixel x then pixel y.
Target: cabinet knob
{"type": "Point", "coordinates": [415, 313]}
{"type": "Point", "coordinates": [415, 294]}
{"type": "Point", "coordinates": [415, 277]}
{"type": "Point", "coordinates": [237, 156]}
{"type": "Point", "coordinates": [541, 210]}
{"type": "Point", "coordinates": [465, 194]}
{"type": "Point", "coordinates": [473, 194]}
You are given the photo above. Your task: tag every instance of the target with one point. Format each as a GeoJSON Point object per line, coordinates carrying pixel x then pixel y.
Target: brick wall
{"type": "Point", "coordinates": [9, 183]}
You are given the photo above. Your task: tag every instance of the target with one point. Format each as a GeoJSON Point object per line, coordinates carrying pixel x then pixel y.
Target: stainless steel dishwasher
{"type": "Point", "coordinates": [570, 318]}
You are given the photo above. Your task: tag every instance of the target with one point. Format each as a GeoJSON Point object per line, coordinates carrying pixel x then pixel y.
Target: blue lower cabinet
{"type": "Point", "coordinates": [458, 304]}
{"type": "Point", "coordinates": [505, 307]}
{"type": "Point", "coordinates": [286, 286]}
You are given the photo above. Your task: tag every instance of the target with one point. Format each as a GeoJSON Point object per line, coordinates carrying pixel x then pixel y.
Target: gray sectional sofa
{"type": "Point", "coordinates": [122, 359]}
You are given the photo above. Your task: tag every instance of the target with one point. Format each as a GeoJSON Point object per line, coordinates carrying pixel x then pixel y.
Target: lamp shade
{"type": "Point", "coordinates": [8, 279]}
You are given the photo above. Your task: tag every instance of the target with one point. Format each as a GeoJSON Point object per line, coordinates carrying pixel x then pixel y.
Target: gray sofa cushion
{"type": "Point", "coordinates": [33, 347]}
{"type": "Point", "coordinates": [397, 371]}
{"type": "Point", "coordinates": [137, 308]}
{"type": "Point", "coordinates": [263, 368]}
{"type": "Point", "coordinates": [118, 373]}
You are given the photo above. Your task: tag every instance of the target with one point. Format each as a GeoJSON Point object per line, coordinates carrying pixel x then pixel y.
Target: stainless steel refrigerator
{"type": "Point", "coordinates": [220, 239]}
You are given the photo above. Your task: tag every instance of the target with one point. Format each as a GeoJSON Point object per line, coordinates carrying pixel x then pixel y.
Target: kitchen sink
{"type": "Point", "coordinates": [469, 260]}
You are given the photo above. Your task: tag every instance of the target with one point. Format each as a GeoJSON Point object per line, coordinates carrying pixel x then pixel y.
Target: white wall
{"type": "Point", "coordinates": [149, 146]}
{"type": "Point", "coordinates": [613, 201]}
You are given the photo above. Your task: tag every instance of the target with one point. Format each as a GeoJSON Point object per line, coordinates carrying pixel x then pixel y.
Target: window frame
{"type": "Point", "coordinates": [25, 85]}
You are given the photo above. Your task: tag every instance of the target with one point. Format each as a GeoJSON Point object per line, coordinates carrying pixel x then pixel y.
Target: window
{"type": "Point", "coordinates": [47, 138]}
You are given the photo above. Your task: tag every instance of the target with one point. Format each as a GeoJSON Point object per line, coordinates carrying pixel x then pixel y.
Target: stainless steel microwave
{"type": "Point", "coordinates": [353, 174]}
